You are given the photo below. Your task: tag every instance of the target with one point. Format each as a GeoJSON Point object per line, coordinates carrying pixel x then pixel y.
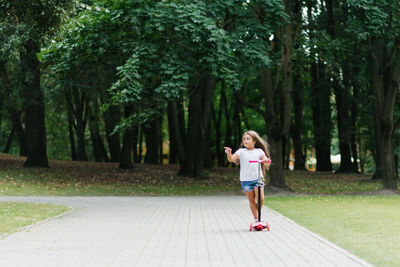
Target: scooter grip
{"type": "Point", "coordinates": [259, 161]}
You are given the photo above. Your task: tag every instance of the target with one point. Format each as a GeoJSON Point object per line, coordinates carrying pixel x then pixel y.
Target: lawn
{"type": "Point", "coordinates": [15, 215]}
{"type": "Point", "coordinates": [367, 226]}
{"type": "Point", "coordinates": [71, 178]}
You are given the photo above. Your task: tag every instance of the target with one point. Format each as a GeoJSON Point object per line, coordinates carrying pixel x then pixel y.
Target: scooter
{"type": "Point", "coordinates": [260, 224]}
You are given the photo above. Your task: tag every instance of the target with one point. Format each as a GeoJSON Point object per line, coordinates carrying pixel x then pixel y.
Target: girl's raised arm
{"type": "Point", "coordinates": [231, 158]}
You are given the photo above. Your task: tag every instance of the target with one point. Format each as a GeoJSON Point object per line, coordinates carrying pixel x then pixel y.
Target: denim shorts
{"type": "Point", "coordinates": [249, 185]}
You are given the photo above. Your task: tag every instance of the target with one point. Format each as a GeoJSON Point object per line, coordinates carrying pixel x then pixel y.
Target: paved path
{"type": "Point", "coordinates": [165, 231]}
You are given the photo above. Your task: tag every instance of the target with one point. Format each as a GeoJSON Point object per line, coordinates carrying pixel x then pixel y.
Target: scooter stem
{"type": "Point", "coordinates": [259, 202]}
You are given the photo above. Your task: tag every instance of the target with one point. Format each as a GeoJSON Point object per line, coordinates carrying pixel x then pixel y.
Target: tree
{"type": "Point", "coordinates": [276, 79]}
{"type": "Point", "coordinates": [320, 89]}
{"type": "Point", "coordinates": [83, 64]}
{"type": "Point", "coordinates": [301, 83]}
{"type": "Point", "coordinates": [30, 23]}
{"type": "Point", "coordinates": [181, 51]}
{"type": "Point", "coordinates": [378, 23]}
{"type": "Point", "coordinates": [341, 85]}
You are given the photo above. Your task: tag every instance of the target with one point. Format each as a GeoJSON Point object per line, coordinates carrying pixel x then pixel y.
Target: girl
{"type": "Point", "coordinates": [253, 147]}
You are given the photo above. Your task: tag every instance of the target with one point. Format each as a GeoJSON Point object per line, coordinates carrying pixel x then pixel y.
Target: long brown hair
{"type": "Point", "coordinates": [260, 143]}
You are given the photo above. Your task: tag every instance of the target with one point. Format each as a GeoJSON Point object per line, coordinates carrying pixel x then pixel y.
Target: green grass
{"type": "Point", "coordinates": [71, 178]}
{"type": "Point", "coordinates": [328, 183]}
{"type": "Point", "coordinates": [16, 215]}
{"type": "Point", "coordinates": [29, 184]}
{"type": "Point", "coordinates": [68, 178]}
{"type": "Point", "coordinates": [368, 226]}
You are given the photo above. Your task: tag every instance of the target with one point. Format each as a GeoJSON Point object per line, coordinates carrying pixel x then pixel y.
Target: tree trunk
{"type": "Point", "coordinates": [217, 127]}
{"type": "Point", "coordinates": [237, 129]}
{"type": "Point", "coordinates": [286, 152]}
{"type": "Point", "coordinates": [287, 39]}
{"type": "Point", "coordinates": [9, 141]}
{"type": "Point", "coordinates": [140, 145]}
{"type": "Point", "coordinates": [78, 102]}
{"type": "Point", "coordinates": [1, 98]}
{"type": "Point", "coordinates": [151, 134]}
{"type": "Point", "coordinates": [388, 163]}
{"type": "Point", "coordinates": [217, 119]}
{"type": "Point", "coordinates": [342, 95]}
{"type": "Point", "coordinates": [296, 129]}
{"type": "Point", "coordinates": [353, 129]}
{"type": "Point", "coordinates": [71, 127]}
{"type": "Point", "coordinates": [16, 122]}
{"type": "Point", "coordinates": [99, 151]}
{"type": "Point", "coordinates": [80, 132]}
{"type": "Point", "coordinates": [396, 164]}
{"type": "Point", "coordinates": [172, 157]}
{"type": "Point", "coordinates": [194, 132]}
{"type": "Point", "coordinates": [3, 90]}
{"type": "Point", "coordinates": [176, 140]}
{"type": "Point", "coordinates": [35, 126]}
{"type": "Point", "coordinates": [376, 81]}
{"type": "Point", "coordinates": [199, 114]}
{"type": "Point", "coordinates": [228, 122]}
{"type": "Point", "coordinates": [385, 79]}
{"type": "Point", "coordinates": [127, 141]}
{"type": "Point", "coordinates": [112, 117]}
{"type": "Point", "coordinates": [208, 156]}
{"type": "Point", "coordinates": [276, 128]}
{"type": "Point", "coordinates": [135, 136]}
{"type": "Point", "coordinates": [343, 119]}
{"type": "Point", "coordinates": [321, 117]}
{"type": "Point", "coordinates": [160, 139]}
{"type": "Point", "coordinates": [277, 174]}
{"type": "Point", "coordinates": [320, 103]}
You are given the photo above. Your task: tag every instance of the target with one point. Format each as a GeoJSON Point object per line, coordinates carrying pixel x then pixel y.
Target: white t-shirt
{"type": "Point", "coordinates": [250, 171]}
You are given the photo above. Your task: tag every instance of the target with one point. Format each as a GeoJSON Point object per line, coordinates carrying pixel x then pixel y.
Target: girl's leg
{"type": "Point", "coordinates": [255, 190]}
{"type": "Point", "coordinates": [252, 200]}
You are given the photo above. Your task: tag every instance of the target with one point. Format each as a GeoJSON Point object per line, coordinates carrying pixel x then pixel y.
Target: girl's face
{"type": "Point", "coordinates": [248, 141]}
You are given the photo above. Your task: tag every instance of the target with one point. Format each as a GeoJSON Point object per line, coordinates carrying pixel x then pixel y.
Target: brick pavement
{"type": "Point", "coordinates": [165, 231]}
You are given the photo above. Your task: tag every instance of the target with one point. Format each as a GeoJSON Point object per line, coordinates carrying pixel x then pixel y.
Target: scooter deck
{"type": "Point", "coordinates": [259, 226]}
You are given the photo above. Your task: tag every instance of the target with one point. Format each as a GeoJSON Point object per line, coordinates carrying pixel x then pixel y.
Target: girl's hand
{"type": "Point", "coordinates": [231, 158]}
{"type": "Point", "coordinates": [228, 150]}
{"type": "Point", "coordinates": [267, 162]}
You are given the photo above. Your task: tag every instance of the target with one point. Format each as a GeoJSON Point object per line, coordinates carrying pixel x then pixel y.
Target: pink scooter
{"type": "Point", "coordinates": [259, 225]}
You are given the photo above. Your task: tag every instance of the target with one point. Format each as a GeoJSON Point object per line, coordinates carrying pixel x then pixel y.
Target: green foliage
{"type": "Point", "coordinates": [180, 40]}
{"type": "Point", "coordinates": [190, 43]}
{"type": "Point", "coordinates": [40, 17]}
{"type": "Point", "coordinates": [128, 88]}
{"type": "Point", "coordinates": [88, 47]}
{"type": "Point", "coordinates": [373, 18]}
{"type": "Point", "coordinates": [21, 21]}
{"type": "Point", "coordinates": [21, 24]}
{"type": "Point", "coordinates": [145, 53]}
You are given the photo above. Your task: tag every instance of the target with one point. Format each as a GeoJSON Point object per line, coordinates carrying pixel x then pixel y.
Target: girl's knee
{"type": "Point", "coordinates": [252, 202]}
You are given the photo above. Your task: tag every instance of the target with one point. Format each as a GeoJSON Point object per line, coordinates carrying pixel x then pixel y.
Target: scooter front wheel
{"type": "Point", "coordinates": [251, 227]}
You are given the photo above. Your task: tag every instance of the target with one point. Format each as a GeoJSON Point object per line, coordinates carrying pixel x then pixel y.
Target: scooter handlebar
{"type": "Point", "coordinates": [260, 161]}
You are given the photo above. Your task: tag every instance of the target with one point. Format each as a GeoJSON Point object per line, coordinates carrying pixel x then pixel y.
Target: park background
{"type": "Point", "coordinates": [119, 97]}
{"type": "Point", "coordinates": [120, 80]}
